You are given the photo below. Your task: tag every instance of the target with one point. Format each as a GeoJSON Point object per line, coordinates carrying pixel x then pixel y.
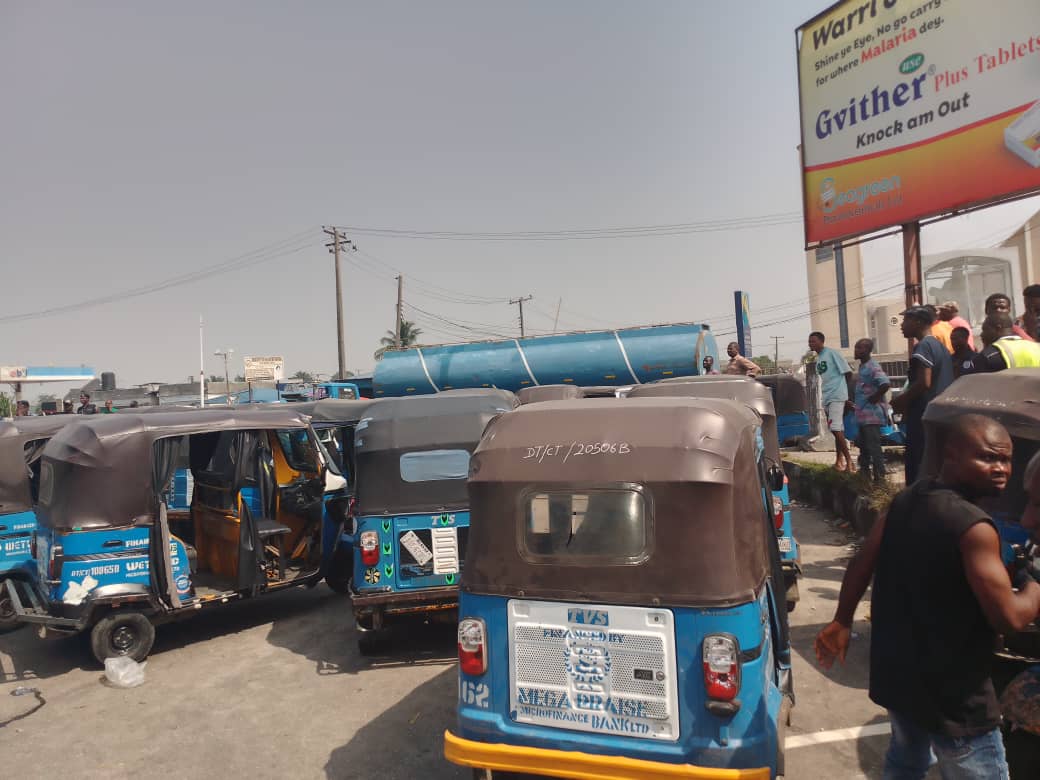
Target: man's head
{"type": "Point", "coordinates": [959, 338]}
{"type": "Point", "coordinates": [708, 363]}
{"type": "Point", "coordinates": [732, 349]}
{"type": "Point", "coordinates": [1031, 483]}
{"type": "Point", "coordinates": [948, 310]}
{"type": "Point", "coordinates": [108, 404]}
{"type": "Point", "coordinates": [996, 326]}
{"type": "Point", "coordinates": [998, 302]}
{"type": "Point", "coordinates": [862, 349]}
{"type": "Point", "coordinates": [816, 340]}
{"type": "Point", "coordinates": [916, 322]}
{"type": "Point", "coordinates": [22, 410]}
{"type": "Point", "coordinates": [976, 456]}
{"type": "Point", "coordinates": [1031, 311]}
{"type": "Point", "coordinates": [84, 398]}
{"type": "Point", "coordinates": [66, 406]}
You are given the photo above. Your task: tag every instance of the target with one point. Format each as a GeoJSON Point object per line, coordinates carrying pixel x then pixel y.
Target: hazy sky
{"type": "Point", "coordinates": [147, 141]}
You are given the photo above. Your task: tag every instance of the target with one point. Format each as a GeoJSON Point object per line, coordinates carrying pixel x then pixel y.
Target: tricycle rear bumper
{"type": "Point", "coordinates": [403, 603]}
{"type": "Point", "coordinates": [572, 764]}
{"type": "Point", "coordinates": [36, 612]}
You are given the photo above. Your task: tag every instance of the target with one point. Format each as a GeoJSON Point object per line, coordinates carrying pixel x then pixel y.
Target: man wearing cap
{"type": "Point", "coordinates": [1003, 348]}
{"type": "Point", "coordinates": [930, 372]}
{"type": "Point", "coordinates": [949, 318]}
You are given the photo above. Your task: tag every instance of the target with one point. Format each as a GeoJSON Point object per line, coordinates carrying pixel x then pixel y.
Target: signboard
{"type": "Point", "coordinates": [913, 108]}
{"type": "Point", "coordinates": [742, 304]}
{"type": "Point", "coordinates": [13, 373]}
{"type": "Point", "coordinates": [264, 369]}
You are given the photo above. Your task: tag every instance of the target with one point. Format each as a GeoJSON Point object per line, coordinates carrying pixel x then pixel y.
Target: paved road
{"type": "Point", "coordinates": [275, 688]}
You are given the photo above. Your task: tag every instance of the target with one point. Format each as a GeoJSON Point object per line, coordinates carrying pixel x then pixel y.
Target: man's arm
{"type": "Point", "coordinates": [879, 396]}
{"type": "Point", "coordinates": [1005, 610]}
{"type": "Point", "coordinates": [833, 641]}
{"type": "Point", "coordinates": [750, 366]}
{"type": "Point", "coordinates": [918, 388]}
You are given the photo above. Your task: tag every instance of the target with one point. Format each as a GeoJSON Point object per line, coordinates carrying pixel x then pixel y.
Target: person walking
{"type": "Point", "coordinates": [929, 373]}
{"type": "Point", "coordinates": [869, 400]}
{"type": "Point", "coordinates": [1003, 349]}
{"type": "Point", "coordinates": [738, 364]}
{"type": "Point", "coordinates": [941, 595]}
{"type": "Point", "coordinates": [834, 372]}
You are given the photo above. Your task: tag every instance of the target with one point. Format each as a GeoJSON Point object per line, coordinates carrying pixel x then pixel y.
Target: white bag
{"type": "Point", "coordinates": [124, 672]}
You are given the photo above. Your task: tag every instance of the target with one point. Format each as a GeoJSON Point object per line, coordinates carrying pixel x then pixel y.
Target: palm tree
{"type": "Point", "coordinates": [303, 376]}
{"type": "Point", "coordinates": [409, 336]}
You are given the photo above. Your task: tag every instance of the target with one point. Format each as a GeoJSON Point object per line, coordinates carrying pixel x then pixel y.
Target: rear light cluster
{"type": "Point", "coordinates": [778, 512]}
{"type": "Point", "coordinates": [369, 544]}
{"type": "Point", "coordinates": [721, 657]}
{"type": "Point", "coordinates": [472, 646]}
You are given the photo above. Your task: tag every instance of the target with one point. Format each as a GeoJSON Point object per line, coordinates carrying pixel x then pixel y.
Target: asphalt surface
{"type": "Point", "coordinates": [275, 688]}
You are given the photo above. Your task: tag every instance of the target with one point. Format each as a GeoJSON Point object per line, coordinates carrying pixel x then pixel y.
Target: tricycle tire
{"type": "Point", "coordinates": [340, 571]}
{"type": "Point", "coordinates": [122, 633]}
{"type": "Point", "coordinates": [373, 643]}
{"type": "Point", "coordinates": [8, 617]}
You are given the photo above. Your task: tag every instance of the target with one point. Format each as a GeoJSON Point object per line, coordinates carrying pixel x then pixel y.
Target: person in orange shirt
{"type": "Point", "coordinates": [950, 312]}
{"type": "Point", "coordinates": [941, 328]}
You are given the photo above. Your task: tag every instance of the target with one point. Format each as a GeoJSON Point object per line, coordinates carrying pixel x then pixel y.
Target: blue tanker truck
{"type": "Point", "coordinates": [627, 356]}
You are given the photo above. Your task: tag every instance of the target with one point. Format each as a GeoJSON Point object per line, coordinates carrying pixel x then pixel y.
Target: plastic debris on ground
{"type": "Point", "coordinates": [124, 672]}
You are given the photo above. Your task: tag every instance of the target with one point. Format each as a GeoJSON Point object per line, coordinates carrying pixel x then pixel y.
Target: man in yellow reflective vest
{"type": "Point", "coordinates": [1003, 348]}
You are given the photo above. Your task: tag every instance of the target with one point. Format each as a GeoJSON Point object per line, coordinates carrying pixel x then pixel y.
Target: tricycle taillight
{"type": "Point", "coordinates": [369, 544]}
{"type": "Point", "coordinates": [472, 646]}
{"type": "Point", "coordinates": [32, 545]}
{"type": "Point", "coordinates": [54, 563]}
{"type": "Point", "coordinates": [721, 667]}
{"type": "Point", "coordinates": [778, 512]}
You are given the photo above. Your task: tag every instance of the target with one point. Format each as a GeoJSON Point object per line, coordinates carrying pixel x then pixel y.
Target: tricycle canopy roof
{"type": "Point", "coordinates": [98, 473]}
{"type": "Point", "coordinates": [15, 458]}
{"type": "Point", "coordinates": [340, 410]}
{"type": "Point", "coordinates": [533, 395]}
{"type": "Point", "coordinates": [736, 388]}
{"type": "Point", "coordinates": [397, 427]}
{"type": "Point", "coordinates": [788, 392]}
{"type": "Point", "coordinates": [1011, 397]}
{"type": "Point", "coordinates": [694, 460]}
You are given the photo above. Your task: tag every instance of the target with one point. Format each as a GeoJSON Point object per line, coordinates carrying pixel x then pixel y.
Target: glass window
{"type": "Point", "coordinates": [611, 525]}
{"type": "Point", "coordinates": [299, 452]}
{"type": "Point", "coordinates": [434, 465]}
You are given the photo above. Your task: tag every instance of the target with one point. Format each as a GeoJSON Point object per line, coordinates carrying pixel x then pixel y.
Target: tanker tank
{"type": "Point", "coordinates": [620, 357]}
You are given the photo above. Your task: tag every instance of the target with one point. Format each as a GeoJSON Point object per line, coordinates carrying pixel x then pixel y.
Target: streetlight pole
{"type": "Point", "coordinates": [226, 353]}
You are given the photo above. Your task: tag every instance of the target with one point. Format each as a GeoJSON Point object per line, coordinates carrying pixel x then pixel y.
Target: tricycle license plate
{"type": "Point", "coordinates": [784, 543]}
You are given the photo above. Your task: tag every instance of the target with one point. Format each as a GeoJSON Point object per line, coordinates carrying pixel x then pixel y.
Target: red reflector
{"type": "Point", "coordinates": [778, 512]}
{"type": "Point", "coordinates": [721, 686]}
{"type": "Point", "coordinates": [369, 544]}
{"type": "Point", "coordinates": [472, 646]}
{"type": "Point", "coordinates": [721, 667]}
{"type": "Point", "coordinates": [370, 557]}
{"type": "Point", "coordinates": [472, 662]}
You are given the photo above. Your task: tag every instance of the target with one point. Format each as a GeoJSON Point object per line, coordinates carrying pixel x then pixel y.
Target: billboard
{"type": "Point", "coordinates": [742, 307]}
{"type": "Point", "coordinates": [264, 369]}
{"type": "Point", "coordinates": [914, 108]}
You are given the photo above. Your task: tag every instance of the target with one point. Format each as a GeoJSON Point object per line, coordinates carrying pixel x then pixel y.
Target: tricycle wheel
{"type": "Point", "coordinates": [792, 594]}
{"type": "Point", "coordinates": [122, 633]}
{"type": "Point", "coordinates": [373, 642]}
{"type": "Point", "coordinates": [8, 617]}
{"type": "Point", "coordinates": [340, 571]}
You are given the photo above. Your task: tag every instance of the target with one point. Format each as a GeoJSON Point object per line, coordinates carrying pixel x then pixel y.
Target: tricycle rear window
{"type": "Point", "coordinates": [434, 465]}
{"type": "Point", "coordinates": [603, 525]}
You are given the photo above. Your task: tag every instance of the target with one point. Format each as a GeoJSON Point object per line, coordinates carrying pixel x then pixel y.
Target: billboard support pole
{"type": "Point", "coordinates": [912, 269]}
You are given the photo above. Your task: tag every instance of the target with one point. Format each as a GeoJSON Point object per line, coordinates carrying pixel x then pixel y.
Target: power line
{"type": "Point", "coordinates": [283, 248]}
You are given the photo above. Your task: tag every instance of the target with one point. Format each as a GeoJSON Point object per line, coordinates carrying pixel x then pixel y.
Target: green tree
{"type": "Point", "coordinates": [6, 406]}
{"type": "Point", "coordinates": [239, 378]}
{"type": "Point", "coordinates": [409, 337]}
{"type": "Point", "coordinates": [765, 362]}
{"type": "Point", "coordinates": [303, 376]}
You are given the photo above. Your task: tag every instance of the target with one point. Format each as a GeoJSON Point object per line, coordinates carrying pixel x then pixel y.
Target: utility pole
{"type": "Point", "coordinates": [226, 353]}
{"type": "Point", "coordinates": [400, 301]}
{"type": "Point", "coordinates": [556, 321]}
{"type": "Point", "coordinates": [776, 352]}
{"type": "Point", "coordinates": [202, 370]}
{"type": "Point", "coordinates": [520, 301]}
{"type": "Point", "coordinates": [338, 243]}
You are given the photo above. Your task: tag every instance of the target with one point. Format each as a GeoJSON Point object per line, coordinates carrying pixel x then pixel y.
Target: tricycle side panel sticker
{"type": "Point", "coordinates": [601, 669]}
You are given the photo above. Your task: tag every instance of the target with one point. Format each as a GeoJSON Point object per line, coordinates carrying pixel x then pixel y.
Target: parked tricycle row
{"type": "Point", "coordinates": [624, 592]}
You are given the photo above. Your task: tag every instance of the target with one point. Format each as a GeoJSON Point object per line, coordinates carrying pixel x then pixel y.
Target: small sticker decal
{"type": "Point", "coordinates": [449, 579]}
{"type": "Point", "coordinates": [386, 526]}
{"type": "Point", "coordinates": [372, 576]}
{"type": "Point", "coordinates": [387, 548]}
{"type": "Point", "coordinates": [388, 570]}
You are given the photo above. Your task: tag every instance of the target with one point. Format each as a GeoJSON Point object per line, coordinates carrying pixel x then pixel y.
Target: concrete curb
{"type": "Point", "coordinates": [836, 494]}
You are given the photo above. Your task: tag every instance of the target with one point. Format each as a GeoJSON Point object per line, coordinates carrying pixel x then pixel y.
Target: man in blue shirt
{"type": "Point", "coordinates": [930, 372]}
{"type": "Point", "coordinates": [834, 373]}
{"type": "Point", "coordinates": [871, 415]}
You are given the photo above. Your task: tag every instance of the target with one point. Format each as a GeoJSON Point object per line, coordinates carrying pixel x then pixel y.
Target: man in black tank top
{"type": "Point", "coordinates": [941, 594]}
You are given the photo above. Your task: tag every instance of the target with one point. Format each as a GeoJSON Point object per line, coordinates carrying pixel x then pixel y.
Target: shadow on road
{"type": "Point", "coordinates": [854, 673]}
{"type": "Point", "coordinates": [406, 741]}
{"type": "Point", "coordinates": [327, 637]}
